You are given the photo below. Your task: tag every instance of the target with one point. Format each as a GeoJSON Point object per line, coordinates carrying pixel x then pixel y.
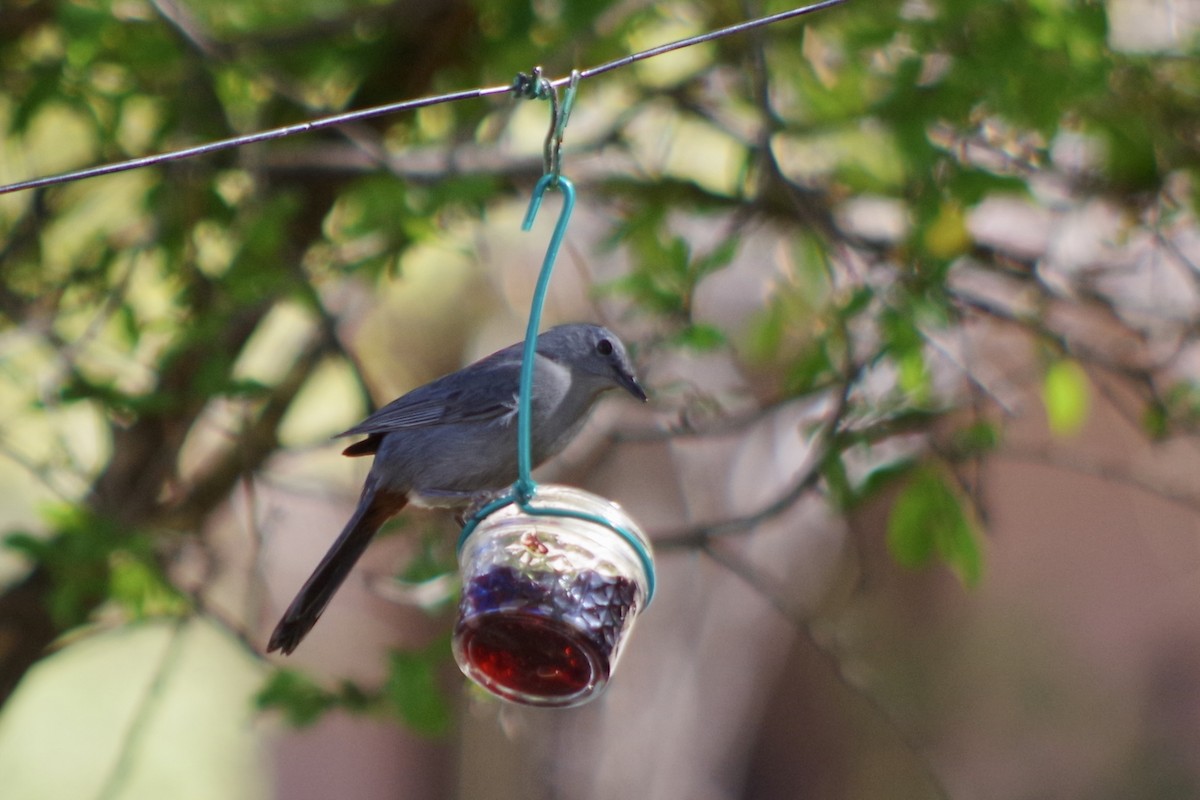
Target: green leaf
{"type": "Point", "coordinates": [808, 370]}
{"type": "Point", "coordinates": [650, 291]}
{"type": "Point", "coordinates": [947, 235]}
{"type": "Point", "coordinates": [1066, 393]}
{"type": "Point", "coordinates": [300, 699]}
{"type": "Point", "coordinates": [979, 437]}
{"type": "Point", "coordinates": [140, 586]}
{"type": "Point", "coordinates": [700, 337]}
{"type": "Point", "coordinates": [838, 481]}
{"type": "Point", "coordinates": [1131, 153]}
{"type": "Point", "coordinates": [913, 376]}
{"type": "Point", "coordinates": [717, 258]}
{"type": "Point", "coordinates": [79, 555]}
{"type": "Point", "coordinates": [928, 520]}
{"type": "Point", "coordinates": [1155, 422]}
{"type": "Point", "coordinates": [413, 692]}
{"type": "Point", "coordinates": [880, 478]}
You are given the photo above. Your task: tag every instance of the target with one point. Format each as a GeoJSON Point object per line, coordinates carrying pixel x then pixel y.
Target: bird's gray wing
{"type": "Point", "coordinates": [480, 393]}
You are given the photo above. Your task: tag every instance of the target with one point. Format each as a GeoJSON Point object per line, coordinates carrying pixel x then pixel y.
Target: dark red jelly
{"type": "Point", "coordinates": [529, 655]}
{"type": "Point", "coordinates": [542, 637]}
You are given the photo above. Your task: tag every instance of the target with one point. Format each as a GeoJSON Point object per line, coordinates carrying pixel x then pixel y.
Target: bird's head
{"type": "Point", "coordinates": [593, 351]}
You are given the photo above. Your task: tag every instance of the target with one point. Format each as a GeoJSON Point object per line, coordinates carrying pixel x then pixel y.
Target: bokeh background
{"type": "Point", "coordinates": [915, 288]}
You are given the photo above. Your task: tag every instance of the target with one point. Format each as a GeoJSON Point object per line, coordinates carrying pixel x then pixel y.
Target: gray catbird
{"type": "Point", "coordinates": [448, 441]}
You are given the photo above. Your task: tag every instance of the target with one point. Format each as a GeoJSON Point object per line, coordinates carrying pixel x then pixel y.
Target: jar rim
{"type": "Point", "coordinates": [545, 502]}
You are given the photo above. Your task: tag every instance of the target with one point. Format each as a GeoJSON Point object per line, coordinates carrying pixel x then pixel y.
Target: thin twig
{"type": "Point", "coordinates": [194, 31]}
{"type": "Point", "coordinates": [238, 632]}
{"type": "Point", "coordinates": [746, 572]}
{"type": "Point", "coordinates": [44, 474]}
{"type": "Point", "coordinates": [136, 731]}
{"type": "Point", "coordinates": [1112, 472]}
{"type": "Point", "coordinates": [806, 480]}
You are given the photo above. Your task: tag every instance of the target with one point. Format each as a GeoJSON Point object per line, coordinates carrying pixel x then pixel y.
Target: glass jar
{"type": "Point", "coordinates": [548, 600]}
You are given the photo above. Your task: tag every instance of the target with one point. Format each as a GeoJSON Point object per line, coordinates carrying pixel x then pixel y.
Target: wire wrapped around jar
{"type": "Point", "coordinates": [551, 590]}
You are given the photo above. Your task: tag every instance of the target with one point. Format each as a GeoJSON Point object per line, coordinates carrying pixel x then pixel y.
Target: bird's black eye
{"type": "Point", "coordinates": [604, 347]}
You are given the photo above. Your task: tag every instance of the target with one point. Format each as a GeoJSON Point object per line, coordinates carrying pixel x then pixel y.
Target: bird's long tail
{"type": "Point", "coordinates": [375, 507]}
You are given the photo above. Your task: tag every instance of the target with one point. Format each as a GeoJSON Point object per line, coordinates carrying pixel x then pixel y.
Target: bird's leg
{"type": "Point", "coordinates": [478, 501]}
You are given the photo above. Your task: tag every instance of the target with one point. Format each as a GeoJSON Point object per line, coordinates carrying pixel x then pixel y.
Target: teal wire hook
{"type": "Point", "coordinates": [525, 486]}
{"type": "Point", "coordinates": [537, 87]}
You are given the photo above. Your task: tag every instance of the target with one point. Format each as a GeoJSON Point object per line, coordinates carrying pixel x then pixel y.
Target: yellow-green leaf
{"type": "Point", "coordinates": [928, 520]}
{"type": "Point", "coordinates": [1067, 395]}
{"type": "Point", "coordinates": [947, 236]}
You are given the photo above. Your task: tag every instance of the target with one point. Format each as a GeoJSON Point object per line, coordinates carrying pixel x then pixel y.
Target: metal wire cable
{"type": "Point", "coordinates": [407, 105]}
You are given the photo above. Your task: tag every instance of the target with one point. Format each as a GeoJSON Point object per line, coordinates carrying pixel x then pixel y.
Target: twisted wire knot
{"type": "Point", "coordinates": [535, 86]}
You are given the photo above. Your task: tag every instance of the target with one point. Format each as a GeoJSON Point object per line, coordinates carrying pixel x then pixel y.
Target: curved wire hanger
{"type": "Point", "coordinates": [525, 488]}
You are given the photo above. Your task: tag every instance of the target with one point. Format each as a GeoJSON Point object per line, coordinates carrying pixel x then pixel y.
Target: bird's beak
{"type": "Point", "coordinates": [629, 383]}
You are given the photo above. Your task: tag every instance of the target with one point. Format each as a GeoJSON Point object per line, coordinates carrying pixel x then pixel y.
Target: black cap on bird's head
{"type": "Point", "coordinates": [592, 349]}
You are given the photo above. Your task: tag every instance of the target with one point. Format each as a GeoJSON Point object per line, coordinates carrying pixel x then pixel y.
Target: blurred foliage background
{"type": "Point", "coordinates": [868, 262]}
